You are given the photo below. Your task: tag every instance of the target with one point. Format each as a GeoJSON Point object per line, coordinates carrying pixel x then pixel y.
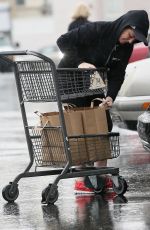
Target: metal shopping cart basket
{"type": "Point", "coordinates": [38, 81]}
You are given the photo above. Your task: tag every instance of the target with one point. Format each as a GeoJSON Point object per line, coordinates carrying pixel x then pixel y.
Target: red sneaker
{"type": "Point", "coordinates": [80, 188]}
{"type": "Point", "coordinates": [108, 184]}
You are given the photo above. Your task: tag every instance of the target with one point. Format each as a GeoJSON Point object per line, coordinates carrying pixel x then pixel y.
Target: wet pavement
{"type": "Point", "coordinates": [69, 212]}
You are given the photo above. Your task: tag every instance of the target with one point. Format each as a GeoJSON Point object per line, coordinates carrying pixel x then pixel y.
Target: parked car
{"type": "Point", "coordinates": [143, 128]}
{"type": "Point", "coordinates": [6, 45]}
{"type": "Point", "coordinates": [134, 95]}
{"type": "Point", "coordinates": [140, 52]}
{"type": "Point", "coordinates": [53, 52]}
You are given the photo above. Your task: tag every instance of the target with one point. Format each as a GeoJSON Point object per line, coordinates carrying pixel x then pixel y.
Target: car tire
{"type": "Point", "coordinates": [131, 125]}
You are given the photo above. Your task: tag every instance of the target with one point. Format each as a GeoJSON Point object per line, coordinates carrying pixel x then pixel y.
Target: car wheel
{"type": "Point", "coordinates": [131, 125]}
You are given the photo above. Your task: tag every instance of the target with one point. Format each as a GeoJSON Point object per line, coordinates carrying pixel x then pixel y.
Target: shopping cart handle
{"type": "Point", "coordinates": [4, 55]}
{"type": "Point", "coordinates": [7, 53]}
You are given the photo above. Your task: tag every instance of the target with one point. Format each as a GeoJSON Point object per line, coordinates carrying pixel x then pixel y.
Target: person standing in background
{"type": "Point", "coordinates": [80, 16]}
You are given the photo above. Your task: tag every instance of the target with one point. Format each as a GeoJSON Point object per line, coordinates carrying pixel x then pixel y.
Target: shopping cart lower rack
{"type": "Point", "coordinates": [39, 81]}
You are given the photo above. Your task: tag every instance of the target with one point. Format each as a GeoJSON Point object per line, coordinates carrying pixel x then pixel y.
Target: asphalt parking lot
{"type": "Point", "coordinates": [70, 211]}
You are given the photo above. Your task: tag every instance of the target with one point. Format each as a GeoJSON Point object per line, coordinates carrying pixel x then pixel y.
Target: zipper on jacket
{"type": "Point", "coordinates": [113, 49]}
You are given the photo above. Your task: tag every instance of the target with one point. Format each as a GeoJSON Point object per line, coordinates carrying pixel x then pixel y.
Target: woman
{"type": "Point", "coordinates": [99, 44]}
{"type": "Point", "coordinates": [80, 16]}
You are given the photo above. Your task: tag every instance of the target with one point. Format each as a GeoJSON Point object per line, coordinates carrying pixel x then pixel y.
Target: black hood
{"type": "Point", "coordinates": [109, 31]}
{"type": "Point", "coordinates": [137, 19]}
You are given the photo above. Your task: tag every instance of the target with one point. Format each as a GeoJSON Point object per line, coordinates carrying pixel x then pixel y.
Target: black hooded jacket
{"type": "Point", "coordinates": [97, 43]}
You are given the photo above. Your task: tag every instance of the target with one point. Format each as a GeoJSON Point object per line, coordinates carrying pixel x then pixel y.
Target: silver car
{"type": "Point", "coordinates": [134, 95]}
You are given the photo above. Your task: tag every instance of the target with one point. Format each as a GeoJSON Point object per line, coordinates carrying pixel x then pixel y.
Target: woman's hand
{"type": "Point", "coordinates": [85, 65]}
{"type": "Point", "coordinates": [107, 102]}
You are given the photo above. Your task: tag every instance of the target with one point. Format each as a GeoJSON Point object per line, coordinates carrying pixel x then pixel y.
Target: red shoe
{"type": "Point", "coordinates": [108, 184]}
{"type": "Point", "coordinates": [80, 188]}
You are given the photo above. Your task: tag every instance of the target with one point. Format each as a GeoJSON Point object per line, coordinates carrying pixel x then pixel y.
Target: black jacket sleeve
{"type": "Point", "coordinates": [71, 42]}
{"type": "Point", "coordinates": [117, 69]}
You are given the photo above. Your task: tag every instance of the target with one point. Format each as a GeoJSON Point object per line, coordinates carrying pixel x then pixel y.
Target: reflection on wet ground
{"type": "Point", "coordinates": [70, 211]}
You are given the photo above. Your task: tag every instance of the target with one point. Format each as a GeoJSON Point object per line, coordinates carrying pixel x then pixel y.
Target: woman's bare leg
{"type": "Point", "coordinates": [100, 163]}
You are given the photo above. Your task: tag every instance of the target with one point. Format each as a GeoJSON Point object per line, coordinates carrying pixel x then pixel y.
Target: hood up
{"type": "Point", "coordinates": [138, 20]}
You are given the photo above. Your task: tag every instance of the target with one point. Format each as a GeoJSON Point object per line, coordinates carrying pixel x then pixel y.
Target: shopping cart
{"type": "Point", "coordinates": [38, 81]}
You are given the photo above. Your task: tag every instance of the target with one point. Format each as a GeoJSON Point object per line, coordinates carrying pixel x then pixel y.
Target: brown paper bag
{"type": "Point", "coordinates": [95, 122]}
{"type": "Point", "coordinates": [78, 121]}
{"type": "Point", "coordinates": [52, 140]}
{"type": "Point", "coordinates": [52, 146]}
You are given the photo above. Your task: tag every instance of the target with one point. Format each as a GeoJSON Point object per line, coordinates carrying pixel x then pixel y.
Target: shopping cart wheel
{"type": "Point", "coordinates": [122, 186]}
{"type": "Point", "coordinates": [10, 195]}
{"type": "Point", "coordinates": [52, 198]}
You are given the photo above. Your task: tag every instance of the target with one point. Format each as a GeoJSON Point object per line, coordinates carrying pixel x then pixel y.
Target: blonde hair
{"type": "Point", "coordinates": [81, 10]}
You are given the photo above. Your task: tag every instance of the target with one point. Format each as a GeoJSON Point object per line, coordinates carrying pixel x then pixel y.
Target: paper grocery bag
{"type": "Point", "coordinates": [95, 122]}
{"type": "Point", "coordinates": [53, 141]}
{"type": "Point", "coordinates": [73, 121]}
{"type": "Point", "coordinates": [52, 146]}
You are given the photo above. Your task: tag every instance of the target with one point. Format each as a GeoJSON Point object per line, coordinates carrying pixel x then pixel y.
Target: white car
{"type": "Point", "coordinates": [134, 95]}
